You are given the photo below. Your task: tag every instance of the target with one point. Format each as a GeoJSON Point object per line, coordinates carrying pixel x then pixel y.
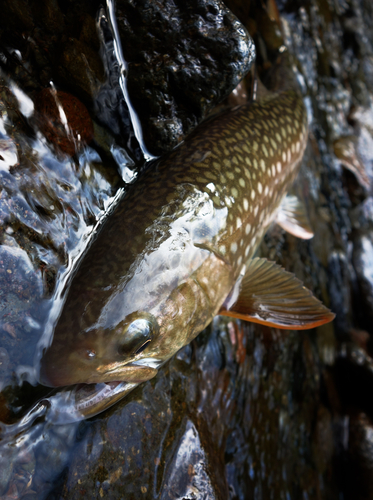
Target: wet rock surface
{"type": "Point", "coordinates": [183, 58]}
{"type": "Point", "coordinates": [244, 411]}
{"type": "Point", "coordinates": [209, 426]}
{"type": "Point", "coordinates": [44, 219]}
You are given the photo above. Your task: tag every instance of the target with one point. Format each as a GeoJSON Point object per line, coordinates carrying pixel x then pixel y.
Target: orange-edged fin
{"type": "Point", "coordinates": [292, 217]}
{"type": "Point", "coordinates": [271, 296]}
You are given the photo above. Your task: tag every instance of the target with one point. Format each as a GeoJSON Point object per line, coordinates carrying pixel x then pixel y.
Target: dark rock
{"type": "Point", "coordinates": [48, 13]}
{"type": "Point", "coordinates": [18, 15]}
{"type": "Point", "coordinates": [358, 479]}
{"type": "Point", "coordinates": [183, 58]}
{"type": "Point", "coordinates": [80, 68]}
{"type": "Point", "coordinates": [210, 424]}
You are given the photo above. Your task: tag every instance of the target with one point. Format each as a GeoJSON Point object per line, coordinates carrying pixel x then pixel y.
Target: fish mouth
{"type": "Point", "coordinates": [85, 401]}
{"type": "Point", "coordinates": [135, 372]}
{"type": "Point", "coordinates": [105, 387]}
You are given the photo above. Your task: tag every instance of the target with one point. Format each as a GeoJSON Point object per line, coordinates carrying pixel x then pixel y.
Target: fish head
{"type": "Point", "coordinates": [129, 338]}
{"type": "Point", "coordinates": [128, 311]}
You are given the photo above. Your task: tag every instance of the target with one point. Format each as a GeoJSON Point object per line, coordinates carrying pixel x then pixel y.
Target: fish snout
{"type": "Point", "coordinates": [130, 373]}
{"type": "Point", "coordinates": [53, 375]}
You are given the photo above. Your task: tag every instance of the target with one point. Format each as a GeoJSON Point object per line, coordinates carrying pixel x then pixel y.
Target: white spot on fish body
{"type": "Point", "coordinates": [241, 182]}
{"type": "Point", "coordinates": [252, 194]}
{"type": "Point", "coordinates": [273, 170]}
{"type": "Point", "coordinates": [248, 228]}
{"type": "Point", "coordinates": [263, 164]}
{"type": "Point", "coordinates": [279, 167]}
{"type": "Point", "coordinates": [256, 209]}
{"type": "Point", "coordinates": [260, 187]}
{"type": "Point", "coordinates": [234, 247]}
{"type": "Point", "coordinates": [238, 223]}
{"type": "Point", "coordinates": [284, 156]}
{"type": "Point", "coordinates": [245, 204]}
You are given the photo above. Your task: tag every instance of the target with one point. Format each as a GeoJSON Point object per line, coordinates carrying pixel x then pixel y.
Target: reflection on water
{"type": "Point", "coordinates": [55, 186]}
{"type": "Point", "coordinates": [49, 205]}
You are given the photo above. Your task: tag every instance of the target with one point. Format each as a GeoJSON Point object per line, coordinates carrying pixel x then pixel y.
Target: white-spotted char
{"type": "Point", "coordinates": [179, 249]}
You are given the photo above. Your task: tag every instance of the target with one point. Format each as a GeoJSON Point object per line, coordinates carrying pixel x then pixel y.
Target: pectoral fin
{"type": "Point", "coordinates": [271, 296]}
{"type": "Point", "coordinates": [292, 217]}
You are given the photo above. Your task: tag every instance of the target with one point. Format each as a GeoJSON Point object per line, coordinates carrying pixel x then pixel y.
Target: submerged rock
{"type": "Point", "coordinates": [211, 423]}
{"type": "Point", "coordinates": [64, 120]}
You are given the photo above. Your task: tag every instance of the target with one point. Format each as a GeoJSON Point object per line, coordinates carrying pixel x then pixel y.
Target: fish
{"type": "Point", "coordinates": [179, 249]}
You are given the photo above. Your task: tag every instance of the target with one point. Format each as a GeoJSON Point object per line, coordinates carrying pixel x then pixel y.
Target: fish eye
{"type": "Point", "coordinates": [143, 347]}
{"type": "Point", "coordinates": [137, 336]}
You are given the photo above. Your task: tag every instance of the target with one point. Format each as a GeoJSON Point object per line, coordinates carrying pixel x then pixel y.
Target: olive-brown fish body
{"type": "Point", "coordinates": [164, 262]}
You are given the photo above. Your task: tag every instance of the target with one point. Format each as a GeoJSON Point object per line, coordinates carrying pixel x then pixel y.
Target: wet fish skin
{"type": "Point", "coordinates": [165, 261]}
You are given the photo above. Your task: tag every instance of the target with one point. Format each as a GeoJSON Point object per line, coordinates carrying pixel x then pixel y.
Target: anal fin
{"type": "Point", "coordinates": [274, 297]}
{"type": "Point", "coordinates": [292, 217]}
